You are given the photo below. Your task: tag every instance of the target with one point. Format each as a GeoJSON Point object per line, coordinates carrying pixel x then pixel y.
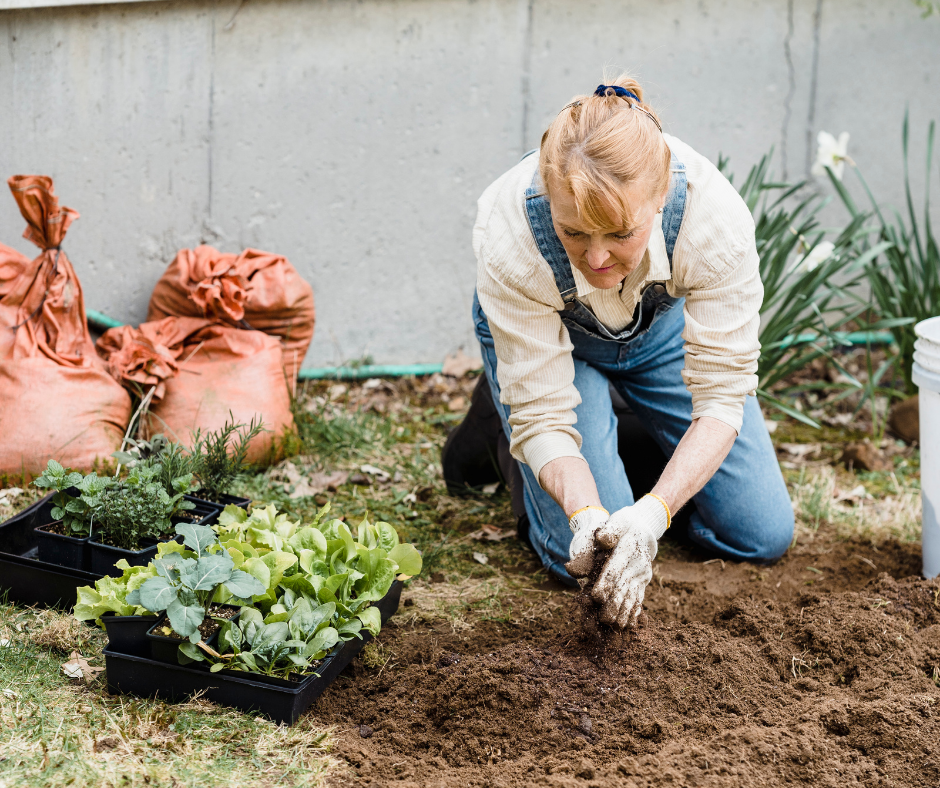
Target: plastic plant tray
{"type": "Point", "coordinates": [28, 581]}
{"type": "Point", "coordinates": [148, 678]}
{"type": "Point", "coordinates": [23, 577]}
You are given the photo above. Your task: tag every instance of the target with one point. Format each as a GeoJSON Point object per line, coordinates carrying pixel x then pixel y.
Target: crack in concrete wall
{"type": "Point", "coordinates": [814, 80]}
{"type": "Point", "coordinates": [527, 73]}
{"type": "Point", "coordinates": [791, 89]}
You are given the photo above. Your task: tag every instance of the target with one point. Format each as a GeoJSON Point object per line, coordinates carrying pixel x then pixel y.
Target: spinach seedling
{"type": "Point", "coordinates": [185, 587]}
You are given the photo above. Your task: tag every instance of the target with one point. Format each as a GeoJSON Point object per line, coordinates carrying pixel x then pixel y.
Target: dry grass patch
{"type": "Point", "coordinates": [55, 731]}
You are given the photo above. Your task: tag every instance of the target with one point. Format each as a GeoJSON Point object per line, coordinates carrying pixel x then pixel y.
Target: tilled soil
{"type": "Point", "coordinates": [821, 670]}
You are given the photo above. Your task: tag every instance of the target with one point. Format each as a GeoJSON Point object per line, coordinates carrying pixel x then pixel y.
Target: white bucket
{"type": "Point", "coordinates": [927, 377]}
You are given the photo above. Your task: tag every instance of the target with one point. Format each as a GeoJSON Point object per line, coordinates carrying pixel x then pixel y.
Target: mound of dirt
{"type": "Point", "coordinates": [771, 683]}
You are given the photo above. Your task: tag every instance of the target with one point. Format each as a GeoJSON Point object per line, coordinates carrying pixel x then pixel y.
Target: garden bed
{"type": "Point", "coordinates": [819, 670]}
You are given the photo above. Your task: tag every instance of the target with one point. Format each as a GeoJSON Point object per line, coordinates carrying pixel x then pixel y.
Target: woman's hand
{"type": "Point", "coordinates": [633, 532]}
{"type": "Point", "coordinates": [584, 523]}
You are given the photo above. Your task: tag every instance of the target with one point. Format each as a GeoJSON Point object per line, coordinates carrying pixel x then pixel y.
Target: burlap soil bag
{"type": "Point", "coordinates": [56, 398]}
{"type": "Point", "coordinates": [253, 289]}
{"type": "Point", "coordinates": [206, 373]}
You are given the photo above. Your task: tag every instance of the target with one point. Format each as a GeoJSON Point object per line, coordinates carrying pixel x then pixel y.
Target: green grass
{"type": "Point", "coordinates": [57, 731]}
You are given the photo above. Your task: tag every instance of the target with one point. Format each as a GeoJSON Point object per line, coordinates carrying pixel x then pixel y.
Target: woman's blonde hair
{"type": "Point", "coordinates": [598, 147]}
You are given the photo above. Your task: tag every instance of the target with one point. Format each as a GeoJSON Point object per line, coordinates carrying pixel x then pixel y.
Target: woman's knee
{"type": "Point", "coordinates": [755, 525]}
{"type": "Point", "coordinates": [775, 535]}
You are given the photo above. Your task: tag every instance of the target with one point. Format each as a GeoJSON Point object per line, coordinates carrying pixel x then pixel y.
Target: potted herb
{"type": "Point", "coordinates": [173, 462]}
{"type": "Point", "coordinates": [132, 515]}
{"type": "Point", "coordinates": [64, 541]}
{"type": "Point", "coordinates": [185, 589]}
{"type": "Point", "coordinates": [216, 459]}
{"type": "Point", "coordinates": [220, 457]}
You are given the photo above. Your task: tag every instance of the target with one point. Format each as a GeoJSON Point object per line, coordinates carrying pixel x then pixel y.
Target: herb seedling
{"type": "Point", "coordinates": [75, 512]}
{"type": "Point", "coordinates": [220, 456]}
{"type": "Point", "coordinates": [138, 507]}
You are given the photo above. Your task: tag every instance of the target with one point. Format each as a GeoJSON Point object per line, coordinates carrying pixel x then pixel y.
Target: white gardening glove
{"type": "Point", "coordinates": [584, 524]}
{"type": "Point", "coordinates": [633, 532]}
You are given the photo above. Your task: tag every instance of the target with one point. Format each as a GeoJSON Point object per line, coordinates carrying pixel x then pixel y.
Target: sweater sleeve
{"type": "Point", "coordinates": [722, 319]}
{"type": "Point", "coordinates": [535, 368]}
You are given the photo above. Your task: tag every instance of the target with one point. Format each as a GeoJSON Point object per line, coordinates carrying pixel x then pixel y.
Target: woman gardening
{"type": "Point", "coordinates": [617, 255]}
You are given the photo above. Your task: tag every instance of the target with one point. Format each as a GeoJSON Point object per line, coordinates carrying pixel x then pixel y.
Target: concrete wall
{"type": "Point", "coordinates": [355, 137]}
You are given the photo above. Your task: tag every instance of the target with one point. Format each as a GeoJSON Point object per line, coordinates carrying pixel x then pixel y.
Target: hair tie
{"type": "Point", "coordinates": [618, 91]}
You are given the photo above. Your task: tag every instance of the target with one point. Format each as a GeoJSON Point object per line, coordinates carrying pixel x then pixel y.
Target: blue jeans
{"type": "Point", "coordinates": [743, 513]}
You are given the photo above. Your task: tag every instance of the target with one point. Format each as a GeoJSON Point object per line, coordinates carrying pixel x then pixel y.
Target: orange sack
{"type": "Point", "coordinates": [253, 289]}
{"type": "Point", "coordinates": [203, 372]}
{"type": "Point", "coordinates": [57, 400]}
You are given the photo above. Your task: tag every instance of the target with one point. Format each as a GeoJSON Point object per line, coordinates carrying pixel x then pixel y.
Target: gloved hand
{"type": "Point", "coordinates": [633, 532]}
{"type": "Point", "coordinates": [584, 524]}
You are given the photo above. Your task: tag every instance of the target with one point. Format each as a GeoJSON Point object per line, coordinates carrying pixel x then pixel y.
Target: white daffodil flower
{"type": "Point", "coordinates": [816, 257]}
{"type": "Point", "coordinates": [832, 153]}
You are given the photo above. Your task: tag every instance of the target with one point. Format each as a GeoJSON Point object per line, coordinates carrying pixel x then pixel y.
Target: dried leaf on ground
{"type": "Point", "coordinates": [490, 489]}
{"type": "Point", "coordinates": [492, 534]}
{"type": "Point", "coordinates": [481, 558]}
{"type": "Point", "coordinates": [380, 476]}
{"type": "Point", "coordinates": [9, 495]}
{"type": "Point", "coordinates": [459, 364]}
{"type": "Point", "coordinates": [853, 496]}
{"type": "Point", "coordinates": [78, 668]}
{"type": "Point", "coordinates": [800, 449]}
{"type": "Point", "coordinates": [308, 484]}
{"type": "Point", "coordinates": [863, 456]}
{"type": "Point", "coordinates": [457, 403]}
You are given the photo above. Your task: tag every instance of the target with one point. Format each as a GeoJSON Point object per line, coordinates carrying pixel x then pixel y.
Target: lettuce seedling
{"type": "Point", "coordinates": [332, 566]}
{"type": "Point", "coordinates": [185, 587]}
{"type": "Point", "coordinates": [273, 647]}
{"type": "Point", "coordinates": [110, 593]}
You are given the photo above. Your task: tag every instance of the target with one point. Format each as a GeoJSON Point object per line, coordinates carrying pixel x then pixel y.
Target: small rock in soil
{"type": "Point", "coordinates": [585, 724]}
{"type": "Point", "coordinates": [863, 456]}
{"type": "Point", "coordinates": [446, 660]}
{"type": "Point", "coordinates": [904, 419]}
{"type": "Point", "coordinates": [365, 731]}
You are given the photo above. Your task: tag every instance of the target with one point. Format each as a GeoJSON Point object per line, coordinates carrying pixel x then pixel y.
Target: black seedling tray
{"type": "Point", "coordinates": [148, 678]}
{"type": "Point", "coordinates": [166, 649]}
{"type": "Point", "coordinates": [128, 634]}
{"type": "Point", "coordinates": [23, 577]}
{"type": "Point", "coordinates": [61, 549]}
{"type": "Point", "coordinates": [28, 581]}
{"type": "Point", "coordinates": [103, 557]}
{"type": "Point", "coordinates": [241, 503]}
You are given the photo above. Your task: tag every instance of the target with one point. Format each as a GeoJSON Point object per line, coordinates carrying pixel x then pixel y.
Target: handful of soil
{"type": "Point", "coordinates": [598, 637]}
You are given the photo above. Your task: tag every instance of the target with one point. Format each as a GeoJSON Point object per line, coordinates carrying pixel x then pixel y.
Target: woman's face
{"type": "Point", "coordinates": [604, 257]}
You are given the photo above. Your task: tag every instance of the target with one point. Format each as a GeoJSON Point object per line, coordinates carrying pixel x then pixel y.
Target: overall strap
{"type": "Point", "coordinates": [674, 209]}
{"type": "Point", "coordinates": [539, 213]}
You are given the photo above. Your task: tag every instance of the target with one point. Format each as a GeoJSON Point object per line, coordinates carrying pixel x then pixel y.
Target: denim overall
{"type": "Point", "coordinates": [744, 511]}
